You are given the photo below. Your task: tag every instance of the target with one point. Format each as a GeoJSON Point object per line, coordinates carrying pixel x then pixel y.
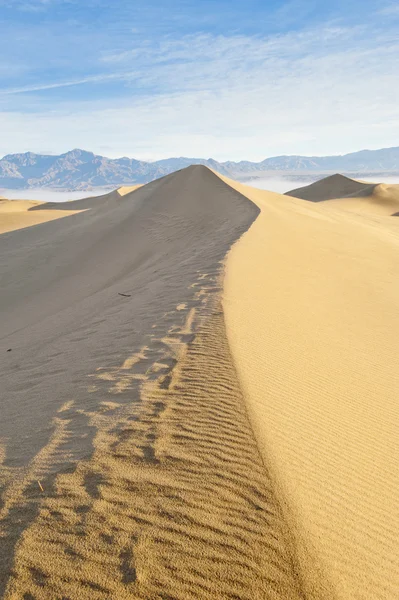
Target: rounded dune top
{"type": "Point", "coordinates": [334, 186]}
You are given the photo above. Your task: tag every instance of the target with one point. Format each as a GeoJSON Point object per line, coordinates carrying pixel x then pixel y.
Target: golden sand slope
{"type": "Point", "coordinates": [174, 502]}
{"type": "Point", "coordinates": [311, 306]}
{"type": "Point", "coordinates": [382, 200]}
{"type": "Point", "coordinates": [127, 189]}
{"type": "Point", "coordinates": [16, 214]}
{"type": "Point", "coordinates": [128, 464]}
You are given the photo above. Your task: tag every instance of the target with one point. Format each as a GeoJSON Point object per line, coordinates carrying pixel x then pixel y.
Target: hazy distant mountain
{"type": "Point", "coordinates": [81, 170]}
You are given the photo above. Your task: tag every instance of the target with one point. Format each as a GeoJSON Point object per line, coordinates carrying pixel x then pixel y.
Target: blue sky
{"type": "Point", "coordinates": [227, 79]}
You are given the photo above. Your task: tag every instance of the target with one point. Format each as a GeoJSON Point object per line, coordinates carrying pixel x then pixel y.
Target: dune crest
{"type": "Point", "coordinates": [129, 467]}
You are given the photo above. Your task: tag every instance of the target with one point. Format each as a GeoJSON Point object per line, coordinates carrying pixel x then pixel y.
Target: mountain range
{"type": "Point", "coordinates": [82, 170]}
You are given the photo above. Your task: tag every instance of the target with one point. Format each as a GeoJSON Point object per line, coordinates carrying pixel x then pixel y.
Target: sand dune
{"type": "Point", "coordinates": [170, 428]}
{"type": "Point", "coordinates": [382, 200]}
{"type": "Point", "coordinates": [355, 196]}
{"type": "Point", "coordinates": [129, 466]}
{"type": "Point", "coordinates": [17, 214]}
{"type": "Point", "coordinates": [311, 308]}
{"type": "Point", "coordinates": [335, 186]}
{"type": "Point", "coordinates": [126, 189]}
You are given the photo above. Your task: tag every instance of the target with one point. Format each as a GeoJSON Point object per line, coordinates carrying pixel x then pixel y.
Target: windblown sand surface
{"type": "Point", "coordinates": [167, 433]}
{"type": "Point", "coordinates": [311, 307]}
{"type": "Point", "coordinates": [382, 200]}
{"type": "Point", "coordinates": [129, 467]}
{"type": "Point", "coordinates": [18, 214]}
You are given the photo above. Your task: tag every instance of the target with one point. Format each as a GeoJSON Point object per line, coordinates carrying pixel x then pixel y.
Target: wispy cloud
{"type": "Point", "coordinates": [327, 88]}
{"type": "Point", "coordinates": [102, 78]}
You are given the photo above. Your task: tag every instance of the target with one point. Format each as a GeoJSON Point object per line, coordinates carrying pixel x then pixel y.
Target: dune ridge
{"type": "Point", "coordinates": [310, 302]}
{"type": "Point", "coordinates": [128, 464]}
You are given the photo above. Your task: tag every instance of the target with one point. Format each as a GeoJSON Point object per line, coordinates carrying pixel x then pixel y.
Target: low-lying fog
{"type": "Point", "coordinates": [279, 185]}
{"type": "Point", "coordinates": [274, 184]}
{"type": "Point", "coordinates": [47, 195]}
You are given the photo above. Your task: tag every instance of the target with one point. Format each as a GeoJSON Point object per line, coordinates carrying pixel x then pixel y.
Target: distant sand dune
{"type": "Point", "coordinates": [311, 307]}
{"type": "Point", "coordinates": [335, 186]}
{"type": "Point", "coordinates": [349, 194]}
{"type": "Point", "coordinates": [126, 189]}
{"type": "Point", "coordinates": [16, 214]}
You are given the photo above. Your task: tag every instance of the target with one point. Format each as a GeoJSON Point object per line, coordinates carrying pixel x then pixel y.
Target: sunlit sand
{"type": "Point", "coordinates": [199, 393]}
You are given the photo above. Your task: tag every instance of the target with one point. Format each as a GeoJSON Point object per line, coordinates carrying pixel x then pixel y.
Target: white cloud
{"type": "Point", "coordinates": [327, 90]}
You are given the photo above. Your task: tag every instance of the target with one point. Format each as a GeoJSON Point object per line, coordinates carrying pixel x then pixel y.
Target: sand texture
{"type": "Point", "coordinates": [16, 214]}
{"type": "Point", "coordinates": [382, 200]}
{"type": "Point", "coordinates": [198, 394]}
{"type": "Point", "coordinates": [312, 315]}
{"type": "Point", "coordinates": [129, 468]}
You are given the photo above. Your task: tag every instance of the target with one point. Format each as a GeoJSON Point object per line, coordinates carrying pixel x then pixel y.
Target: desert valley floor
{"type": "Point", "coordinates": [198, 393]}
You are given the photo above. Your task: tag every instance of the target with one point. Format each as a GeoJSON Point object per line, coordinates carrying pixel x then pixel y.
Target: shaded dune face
{"type": "Point", "coordinates": [335, 186]}
{"type": "Point", "coordinates": [128, 466]}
